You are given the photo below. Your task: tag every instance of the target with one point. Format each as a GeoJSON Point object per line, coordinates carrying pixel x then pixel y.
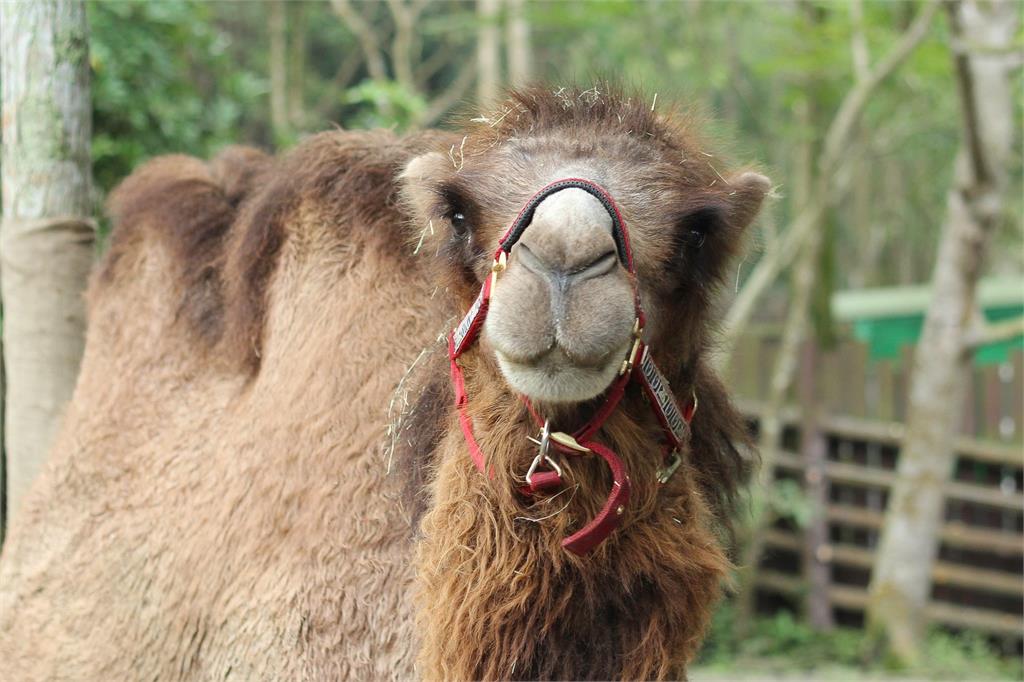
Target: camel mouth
{"type": "Point", "coordinates": [553, 377]}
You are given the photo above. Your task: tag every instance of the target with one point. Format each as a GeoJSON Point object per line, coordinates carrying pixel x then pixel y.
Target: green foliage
{"type": "Point", "coordinates": [163, 81]}
{"type": "Point", "coordinates": [965, 656]}
{"type": "Point", "coordinates": [784, 643]}
{"type": "Point", "coordinates": [788, 501]}
{"type": "Point", "coordinates": [386, 104]}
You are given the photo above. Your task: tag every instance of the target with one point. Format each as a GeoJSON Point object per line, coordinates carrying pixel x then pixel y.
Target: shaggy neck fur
{"type": "Point", "coordinates": [499, 598]}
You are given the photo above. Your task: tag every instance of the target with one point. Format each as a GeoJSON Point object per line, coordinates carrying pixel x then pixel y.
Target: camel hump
{"type": "Point", "coordinates": [183, 207]}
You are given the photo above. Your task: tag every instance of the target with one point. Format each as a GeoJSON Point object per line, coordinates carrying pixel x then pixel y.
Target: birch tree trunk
{"type": "Point", "coordinates": [46, 237]}
{"type": "Point", "coordinates": [277, 27]}
{"type": "Point", "coordinates": [296, 87]}
{"type": "Point", "coordinates": [982, 36]}
{"type": "Point", "coordinates": [520, 67]}
{"type": "Point", "coordinates": [488, 53]}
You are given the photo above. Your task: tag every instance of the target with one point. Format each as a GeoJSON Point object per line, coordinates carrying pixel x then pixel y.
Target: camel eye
{"type": "Point", "coordinates": [459, 223]}
{"type": "Point", "coordinates": [695, 227]}
{"type": "Point", "coordinates": [456, 210]}
{"type": "Point", "coordinates": [697, 238]}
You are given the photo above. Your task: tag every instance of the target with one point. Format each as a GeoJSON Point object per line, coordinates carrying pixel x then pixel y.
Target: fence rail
{"type": "Point", "coordinates": [978, 577]}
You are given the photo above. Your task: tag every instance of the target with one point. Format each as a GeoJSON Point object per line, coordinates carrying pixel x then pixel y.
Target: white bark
{"type": "Point", "coordinates": [277, 27]}
{"type": "Point", "coordinates": [46, 237]}
{"type": "Point", "coordinates": [520, 58]}
{"type": "Point", "coordinates": [901, 582]}
{"type": "Point", "coordinates": [488, 54]}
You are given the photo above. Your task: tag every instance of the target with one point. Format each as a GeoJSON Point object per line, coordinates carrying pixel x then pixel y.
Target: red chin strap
{"type": "Point", "coordinates": [638, 363]}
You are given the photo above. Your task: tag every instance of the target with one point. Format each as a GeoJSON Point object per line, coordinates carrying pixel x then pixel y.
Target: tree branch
{"type": "Point", "coordinates": [367, 37]}
{"type": "Point", "coordinates": [405, 16]}
{"type": "Point", "coordinates": [342, 77]}
{"type": "Point", "coordinates": [995, 332]}
{"type": "Point", "coordinates": [455, 91]}
{"type": "Point", "coordinates": [853, 104]}
{"type": "Point", "coordinates": [435, 62]}
{"type": "Point", "coordinates": [965, 84]}
{"type": "Point", "coordinates": [858, 41]}
{"type": "Point", "coordinates": [836, 140]}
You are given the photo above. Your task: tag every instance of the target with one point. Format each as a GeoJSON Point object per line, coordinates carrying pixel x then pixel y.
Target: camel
{"type": "Point", "coordinates": [431, 406]}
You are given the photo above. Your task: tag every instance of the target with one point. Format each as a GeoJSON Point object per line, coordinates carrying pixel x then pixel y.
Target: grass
{"type": "Point", "coordinates": [783, 647]}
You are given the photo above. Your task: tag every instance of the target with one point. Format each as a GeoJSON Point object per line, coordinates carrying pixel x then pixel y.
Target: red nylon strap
{"type": "Point", "coordinates": [462, 405]}
{"type": "Point", "coordinates": [469, 328]}
{"type": "Point", "coordinates": [612, 398]}
{"type": "Point", "coordinates": [610, 516]}
{"type": "Point", "coordinates": [662, 401]}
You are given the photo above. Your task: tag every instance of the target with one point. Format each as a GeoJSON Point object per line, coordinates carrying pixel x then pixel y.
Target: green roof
{"type": "Point", "coordinates": [849, 306]}
{"type": "Point", "coordinates": [889, 318]}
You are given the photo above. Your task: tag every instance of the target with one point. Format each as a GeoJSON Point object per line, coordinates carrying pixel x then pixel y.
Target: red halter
{"type": "Point", "coordinates": [638, 362]}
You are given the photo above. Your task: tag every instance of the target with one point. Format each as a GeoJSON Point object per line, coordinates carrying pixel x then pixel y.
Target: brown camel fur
{"type": "Point", "coordinates": [261, 476]}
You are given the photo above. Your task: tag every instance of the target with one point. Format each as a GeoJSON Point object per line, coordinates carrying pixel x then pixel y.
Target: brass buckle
{"type": "Point", "coordinates": [498, 267]}
{"type": "Point", "coordinates": [627, 364]}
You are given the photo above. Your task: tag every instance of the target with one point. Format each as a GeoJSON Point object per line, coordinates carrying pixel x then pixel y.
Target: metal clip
{"type": "Point", "coordinates": [666, 471]}
{"type": "Point", "coordinates": [498, 267]}
{"type": "Point", "coordinates": [567, 441]}
{"type": "Point", "coordinates": [542, 456]}
{"type": "Point", "coordinates": [627, 364]}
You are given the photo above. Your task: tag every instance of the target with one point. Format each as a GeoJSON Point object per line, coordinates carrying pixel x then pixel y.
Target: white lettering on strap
{"type": "Point", "coordinates": [468, 323]}
{"type": "Point", "coordinates": [664, 402]}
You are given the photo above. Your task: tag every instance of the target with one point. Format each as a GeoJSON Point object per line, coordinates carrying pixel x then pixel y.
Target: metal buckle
{"type": "Point", "coordinates": [627, 364]}
{"type": "Point", "coordinates": [498, 267]}
{"type": "Point", "coordinates": [542, 456]}
{"type": "Point", "coordinates": [666, 471]}
{"type": "Point", "coordinates": [567, 441]}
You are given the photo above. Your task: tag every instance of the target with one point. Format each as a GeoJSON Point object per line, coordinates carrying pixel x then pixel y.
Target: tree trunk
{"type": "Point", "coordinates": [901, 583]}
{"type": "Point", "coordinates": [862, 170]}
{"type": "Point", "coordinates": [487, 52]}
{"type": "Point", "coordinates": [277, 27]}
{"type": "Point", "coordinates": [46, 237]}
{"type": "Point", "coordinates": [402, 46]}
{"type": "Point", "coordinates": [785, 366]}
{"type": "Point", "coordinates": [520, 67]}
{"type": "Point", "coordinates": [297, 67]}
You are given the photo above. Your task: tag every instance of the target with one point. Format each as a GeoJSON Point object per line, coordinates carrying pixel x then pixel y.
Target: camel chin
{"type": "Point", "coordinates": [557, 380]}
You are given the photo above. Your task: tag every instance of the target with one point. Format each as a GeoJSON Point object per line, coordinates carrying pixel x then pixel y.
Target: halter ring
{"type": "Point", "coordinates": [542, 456]}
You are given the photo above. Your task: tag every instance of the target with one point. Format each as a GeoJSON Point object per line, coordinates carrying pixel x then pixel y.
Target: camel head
{"type": "Point", "coordinates": [562, 313]}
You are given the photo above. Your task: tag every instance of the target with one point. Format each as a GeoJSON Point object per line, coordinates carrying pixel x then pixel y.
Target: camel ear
{"type": "Point", "coordinates": [749, 189]}
{"type": "Point", "coordinates": [420, 181]}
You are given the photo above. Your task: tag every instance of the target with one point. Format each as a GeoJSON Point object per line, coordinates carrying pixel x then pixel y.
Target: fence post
{"type": "Point", "coordinates": [817, 555]}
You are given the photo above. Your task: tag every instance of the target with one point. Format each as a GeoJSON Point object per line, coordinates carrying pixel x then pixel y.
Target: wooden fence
{"type": "Point", "coordinates": [979, 575]}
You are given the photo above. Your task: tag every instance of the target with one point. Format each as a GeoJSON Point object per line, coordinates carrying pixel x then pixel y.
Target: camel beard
{"type": "Point", "coordinates": [497, 595]}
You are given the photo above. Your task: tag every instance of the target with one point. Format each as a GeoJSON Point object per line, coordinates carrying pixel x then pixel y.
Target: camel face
{"type": "Point", "coordinates": [562, 312]}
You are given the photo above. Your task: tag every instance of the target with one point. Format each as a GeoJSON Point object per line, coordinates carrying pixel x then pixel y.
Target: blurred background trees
{"type": "Point", "coordinates": [193, 76]}
{"type": "Point", "coordinates": [855, 108]}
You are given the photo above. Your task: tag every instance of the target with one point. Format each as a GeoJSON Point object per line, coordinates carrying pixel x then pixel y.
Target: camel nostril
{"type": "Point", "coordinates": [583, 268]}
{"type": "Point", "coordinates": [601, 265]}
{"type": "Point", "coordinates": [530, 260]}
